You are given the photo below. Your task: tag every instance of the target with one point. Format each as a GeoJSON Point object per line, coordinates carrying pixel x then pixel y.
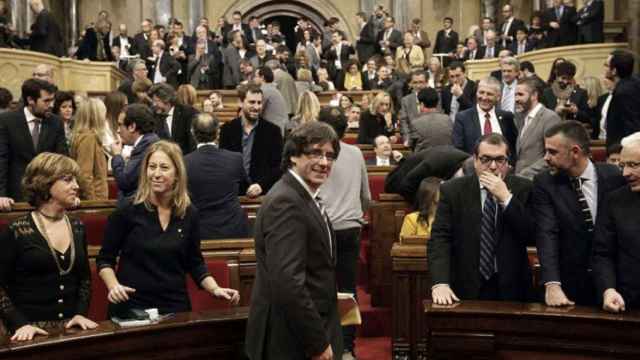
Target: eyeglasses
{"type": "Point", "coordinates": [486, 160]}
{"type": "Point", "coordinates": [633, 165]}
{"type": "Point", "coordinates": [318, 155]}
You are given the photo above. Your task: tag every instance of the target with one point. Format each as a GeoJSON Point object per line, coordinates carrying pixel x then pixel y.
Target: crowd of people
{"type": "Point", "coordinates": [494, 166]}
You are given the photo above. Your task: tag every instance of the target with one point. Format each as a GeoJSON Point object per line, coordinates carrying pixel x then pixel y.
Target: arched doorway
{"type": "Point", "coordinates": [287, 28]}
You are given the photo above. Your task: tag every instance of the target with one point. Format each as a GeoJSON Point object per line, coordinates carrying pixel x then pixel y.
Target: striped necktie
{"type": "Point", "coordinates": [325, 217]}
{"type": "Point", "coordinates": [488, 238]}
{"type": "Point", "coordinates": [576, 182]}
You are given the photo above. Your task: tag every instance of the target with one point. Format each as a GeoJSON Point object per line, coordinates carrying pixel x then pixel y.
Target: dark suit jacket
{"type": "Point", "coordinates": [169, 68]}
{"type": "Point", "coordinates": [454, 246]}
{"type": "Point", "coordinates": [46, 36]}
{"type": "Point", "coordinates": [127, 174]}
{"type": "Point", "coordinates": [513, 29]}
{"type": "Point", "coordinates": [439, 161]}
{"type": "Point", "coordinates": [395, 40]}
{"type": "Point", "coordinates": [591, 23]}
{"type": "Point", "coordinates": [140, 46]}
{"type": "Point", "coordinates": [117, 42]}
{"type": "Point", "coordinates": [578, 97]}
{"type": "Point", "coordinates": [616, 247]}
{"type": "Point", "coordinates": [215, 177]}
{"type": "Point", "coordinates": [16, 148]}
{"type": "Point", "coordinates": [478, 55]}
{"type": "Point", "coordinates": [366, 45]}
{"type": "Point", "coordinates": [372, 126]}
{"type": "Point", "coordinates": [331, 56]}
{"type": "Point", "coordinates": [251, 39]}
{"type": "Point", "coordinates": [466, 101]}
{"type": "Point", "coordinates": [564, 246]}
{"type": "Point", "coordinates": [88, 48]}
{"type": "Point", "coordinates": [180, 127]}
{"type": "Point", "coordinates": [467, 131]}
{"type": "Point", "coordinates": [528, 46]}
{"type": "Point", "coordinates": [125, 88]}
{"type": "Point", "coordinates": [496, 51]}
{"type": "Point", "coordinates": [567, 33]}
{"type": "Point", "coordinates": [266, 153]}
{"type": "Point", "coordinates": [293, 312]}
{"type": "Point", "coordinates": [623, 117]}
{"type": "Point", "coordinates": [445, 44]}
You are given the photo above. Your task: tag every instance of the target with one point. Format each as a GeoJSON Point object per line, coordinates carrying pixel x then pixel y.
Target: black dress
{"type": "Point", "coordinates": [373, 125]}
{"type": "Point", "coordinates": [31, 287]}
{"type": "Point", "coordinates": [153, 261]}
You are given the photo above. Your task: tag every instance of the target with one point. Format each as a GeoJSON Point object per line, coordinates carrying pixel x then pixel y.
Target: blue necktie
{"type": "Point", "coordinates": [488, 238]}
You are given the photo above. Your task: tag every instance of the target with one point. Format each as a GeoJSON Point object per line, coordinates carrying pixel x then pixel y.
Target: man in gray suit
{"type": "Point", "coordinates": [274, 107]}
{"type": "Point", "coordinates": [532, 120]}
{"type": "Point", "coordinates": [432, 128]}
{"type": "Point", "coordinates": [231, 75]}
{"type": "Point", "coordinates": [286, 85]}
{"type": "Point", "coordinates": [410, 108]}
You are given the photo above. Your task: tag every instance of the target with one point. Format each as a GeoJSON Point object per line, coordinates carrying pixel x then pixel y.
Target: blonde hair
{"type": "Point", "coordinates": [91, 116]}
{"type": "Point", "coordinates": [594, 89]}
{"type": "Point", "coordinates": [304, 75]}
{"type": "Point", "coordinates": [186, 95]}
{"type": "Point", "coordinates": [179, 194]}
{"type": "Point", "coordinates": [373, 108]}
{"type": "Point", "coordinates": [308, 107]}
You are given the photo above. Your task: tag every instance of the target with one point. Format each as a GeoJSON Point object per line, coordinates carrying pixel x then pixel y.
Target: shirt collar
{"type": "Point", "coordinates": [481, 112]}
{"type": "Point", "coordinates": [534, 111]}
{"type": "Point", "coordinates": [170, 113]}
{"type": "Point", "coordinates": [304, 184]}
{"type": "Point", "coordinates": [213, 143]}
{"type": "Point", "coordinates": [135, 143]}
{"type": "Point", "coordinates": [379, 159]}
{"type": "Point", "coordinates": [30, 117]}
{"type": "Point", "coordinates": [589, 173]}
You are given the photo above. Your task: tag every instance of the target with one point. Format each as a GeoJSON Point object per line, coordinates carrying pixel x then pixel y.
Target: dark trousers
{"type": "Point", "coordinates": [348, 249]}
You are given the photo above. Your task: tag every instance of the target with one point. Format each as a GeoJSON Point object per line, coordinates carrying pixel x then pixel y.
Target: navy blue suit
{"type": "Point", "coordinates": [467, 131]}
{"type": "Point", "coordinates": [127, 175]}
{"type": "Point", "coordinates": [215, 177]}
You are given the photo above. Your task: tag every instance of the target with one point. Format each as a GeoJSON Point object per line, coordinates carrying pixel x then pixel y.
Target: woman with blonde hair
{"type": "Point", "coordinates": [419, 222]}
{"type": "Point", "coordinates": [380, 119]}
{"type": "Point", "coordinates": [304, 81]}
{"type": "Point", "coordinates": [154, 241]}
{"type": "Point", "coordinates": [86, 148]}
{"type": "Point", "coordinates": [308, 110]}
{"type": "Point", "coordinates": [187, 95]}
{"type": "Point", "coordinates": [410, 56]}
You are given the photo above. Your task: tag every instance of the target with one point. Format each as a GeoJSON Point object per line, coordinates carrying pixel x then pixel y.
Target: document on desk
{"type": "Point", "coordinates": [349, 310]}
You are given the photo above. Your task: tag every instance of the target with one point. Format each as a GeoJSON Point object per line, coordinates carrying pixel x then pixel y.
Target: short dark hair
{"type": "Point", "coordinates": [572, 130]}
{"type": "Point", "coordinates": [419, 73]}
{"type": "Point", "coordinates": [448, 18]}
{"type": "Point", "coordinates": [362, 15]}
{"type": "Point", "coordinates": [492, 139]}
{"type": "Point", "coordinates": [243, 90]}
{"type": "Point", "coordinates": [305, 136]}
{"type": "Point", "coordinates": [614, 149]}
{"type": "Point", "coordinates": [178, 23]}
{"type": "Point", "coordinates": [623, 62]}
{"type": "Point", "coordinates": [457, 65]}
{"type": "Point", "coordinates": [164, 92]}
{"type": "Point", "coordinates": [334, 116]}
{"type": "Point", "coordinates": [31, 89]}
{"type": "Point", "coordinates": [534, 85]}
{"type": "Point", "coordinates": [428, 97]}
{"type": "Point", "coordinates": [61, 97]}
{"type": "Point", "coordinates": [523, 29]}
{"type": "Point", "coordinates": [5, 98]}
{"type": "Point", "coordinates": [527, 65]}
{"type": "Point", "coordinates": [140, 115]}
{"type": "Point", "coordinates": [237, 12]}
{"type": "Point", "coordinates": [566, 68]}
{"type": "Point", "coordinates": [266, 73]}
{"type": "Point", "coordinates": [204, 127]}
{"type": "Point", "coordinates": [282, 49]}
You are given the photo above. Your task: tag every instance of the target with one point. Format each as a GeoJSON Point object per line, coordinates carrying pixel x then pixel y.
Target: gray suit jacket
{"type": "Point", "coordinates": [432, 129]}
{"type": "Point", "coordinates": [530, 144]}
{"type": "Point", "coordinates": [231, 76]}
{"type": "Point", "coordinates": [408, 112]}
{"type": "Point", "coordinates": [287, 87]}
{"type": "Point", "coordinates": [274, 106]}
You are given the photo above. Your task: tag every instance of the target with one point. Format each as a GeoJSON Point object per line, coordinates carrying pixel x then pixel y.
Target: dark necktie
{"type": "Point", "coordinates": [582, 202]}
{"type": "Point", "coordinates": [325, 217]}
{"type": "Point", "coordinates": [35, 133]}
{"type": "Point", "coordinates": [487, 124]}
{"type": "Point", "coordinates": [488, 238]}
{"type": "Point", "coordinates": [163, 129]}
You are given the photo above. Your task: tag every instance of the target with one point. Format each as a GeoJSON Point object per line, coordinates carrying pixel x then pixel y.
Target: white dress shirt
{"type": "Point", "coordinates": [495, 125]}
{"type": "Point", "coordinates": [508, 102]}
{"type": "Point", "coordinates": [603, 118]}
{"type": "Point", "coordinates": [382, 161]}
{"type": "Point", "coordinates": [589, 185]}
{"type": "Point", "coordinates": [157, 76]}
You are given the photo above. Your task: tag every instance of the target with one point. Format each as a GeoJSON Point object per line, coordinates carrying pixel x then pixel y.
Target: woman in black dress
{"type": "Point", "coordinates": [45, 281]}
{"type": "Point", "coordinates": [379, 120]}
{"type": "Point", "coordinates": [157, 240]}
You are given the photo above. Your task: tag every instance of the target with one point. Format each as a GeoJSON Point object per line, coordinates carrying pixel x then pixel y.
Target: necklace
{"type": "Point", "coordinates": [51, 217]}
{"type": "Point", "coordinates": [43, 230]}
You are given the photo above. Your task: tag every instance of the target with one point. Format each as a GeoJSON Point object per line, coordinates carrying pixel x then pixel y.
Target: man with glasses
{"type": "Point", "coordinates": [566, 201]}
{"type": "Point", "coordinates": [138, 72]}
{"type": "Point", "coordinates": [615, 244]}
{"type": "Point", "coordinates": [294, 306]}
{"type": "Point", "coordinates": [478, 245]}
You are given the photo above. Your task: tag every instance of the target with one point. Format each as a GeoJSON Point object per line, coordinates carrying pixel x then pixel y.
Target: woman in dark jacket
{"type": "Point", "coordinates": [379, 120]}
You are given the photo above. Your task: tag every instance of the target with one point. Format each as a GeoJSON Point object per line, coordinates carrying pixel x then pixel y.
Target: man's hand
{"type": "Point", "coordinates": [554, 24]}
{"type": "Point", "coordinates": [254, 190]}
{"type": "Point", "coordinates": [327, 354]}
{"type": "Point", "coordinates": [116, 148]}
{"type": "Point", "coordinates": [554, 296]}
{"type": "Point", "coordinates": [443, 295]}
{"type": "Point", "coordinates": [495, 185]}
{"type": "Point", "coordinates": [456, 90]}
{"type": "Point", "coordinates": [6, 203]}
{"type": "Point", "coordinates": [397, 155]}
{"type": "Point", "coordinates": [388, 119]}
{"type": "Point", "coordinates": [613, 301]}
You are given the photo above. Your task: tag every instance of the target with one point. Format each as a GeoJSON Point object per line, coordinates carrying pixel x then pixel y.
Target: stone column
{"type": "Point", "coordinates": [72, 6]}
{"type": "Point", "coordinates": [634, 28]}
{"type": "Point", "coordinates": [196, 11]}
{"type": "Point", "coordinates": [163, 10]}
{"type": "Point", "coordinates": [399, 10]}
{"type": "Point", "coordinates": [490, 8]}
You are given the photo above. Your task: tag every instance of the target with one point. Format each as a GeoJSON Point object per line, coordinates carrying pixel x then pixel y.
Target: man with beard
{"type": "Point", "coordinates": [566, 201]}
{"type": "Point", "coordinates": [173, 120]}
{"type": "Point", "coordinates": [565, 97]}
{"type": "Point", "coordinates": [26, 133]}
{"type": "Point", "coordinates": [259, 141]}
{"type": "Point", "coordinates": [532, 120]}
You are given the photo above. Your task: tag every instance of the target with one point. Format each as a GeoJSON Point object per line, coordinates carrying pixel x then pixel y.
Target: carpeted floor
{"type": "Point", "coordinates": [373, 348]}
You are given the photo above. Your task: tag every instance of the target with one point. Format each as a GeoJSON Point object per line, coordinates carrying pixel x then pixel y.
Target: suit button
{"type": "Point", "coordinates": [61, 287]}
{"type": "Point", "coordinates": [60, 316]}
{"type": "Point", "coordinates": [60, 301]}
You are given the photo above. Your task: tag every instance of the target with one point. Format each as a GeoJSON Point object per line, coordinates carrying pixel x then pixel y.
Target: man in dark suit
{"type": "Point", "coordinates": [166, 67]}
{"type": "Point", "coordinates": [136, 129]}
{"type": "Point", "coordinates": [294, 311]}
{"type": "Point", "coordinates": [26, 133]}
{"type": "Point", "coordinates": [173, 120]}
{"type": "Point", "coordinates": [420, 37]}
{"type": "Point", "coordinates": [560, 24]}
{"type": "Point", "coordinates": [338, 56]}
{"type": "Point", "coordinates": [522, 44]}
{"type": "Point", "coordinates": [138, 71]}
{"type": "Point", "coordinates": [460, 93]}
{"type": "Point", "coordinates": [211, 50]}
{"type": "Point", "coordinates": [566, 202]}
{"type": "Point", "coordinates": [473, 51]}
{"type": "Point", "coordinates": [623, 116]}
{"type": "Point", "coordinates": [254, 33]}
{"type": "Point", "coordinates": [615, 244]}
{"type": "Point", "coordinates": [565, 97]}
{"type": "Point", "coordinates": [509, 27]}
{"type": "Point", "coordinates": [366, 43]}
{"type": "Point", "coordinates": [591, 22]}
{"type": "Point", "coordinates": [493, 48]}
{"type": "Point", "coordinates": [370, 75]}
{"type": "Point", "coordinates": [483, 119]}
{"type": "Point", "coordinates": [215, 176]}
{"type": "Point", "coordinates": [141, 40]}
{"type": "Point", "coordinates": [385, 155]}
{"type": "Point", "coordinates": [236, 25]}
{"type": "Point", "coordinates": [95, 44]}
{"type": "Point", "coordinates": [46, 36]}
{"type": "Point", "coordinates": [123, 41]}
{"type": "Point", "coordinates": [478, 244]}
{"type": "Point", "coordinates": [389, 39]}
{"type": "Point", "coordinates": [446, 40]}
{"type": "Point", "coordinates": [259, 141]}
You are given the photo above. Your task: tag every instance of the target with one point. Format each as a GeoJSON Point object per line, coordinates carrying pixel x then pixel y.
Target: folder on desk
{"type": "Point", "coordinates": [349, 310]}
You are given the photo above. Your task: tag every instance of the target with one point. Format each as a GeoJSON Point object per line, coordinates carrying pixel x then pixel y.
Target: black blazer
{"type": "Point", "coordinates": [366, 45]}
{"type": "Point", "coordinates": [395, 40]}
{"type": "Point", "coordinates": [46, 36]}
{"type": "Point", "coordinates": [578, 97]}
{"type": "Point", "coordinates": [445, 44]}
{"type": "Point", "coordinates": [140, 46]}
{"type": "Point", "coordinates": [88, 48]}
{"type": "Point", "coordinates": [513, 29]}
{"type": "Point", "coordinates": [528, 46]}
{"type": "Point", "coordinates": [16, 148]}
{"type": "Point", "coordinates": [564, 246]}
{"type": "Point", "coordinates": [623, 117]}
{"type": "Point", "coordinates": [266, 154]}
{"type": "Point", "coordinates": [180, 127]}
{"type": "Point", "coordinates": [293, 312]}
{"type": "Point", "coordinates": [467, 131]}
{"type": "Point", "coordinates": [466, 101]}
{"type": "Point", "coordinates": [117, 42]}
{"type": "Point", "coordinates": [169, 68]}
{"type": "Point", "coordinates": [373, 125]}
{"type": "Point", "coordinates": [616, 248]}
{"type": "Point", "coordinates": [454, 246]}
{"type": "Point", "coordinates": [591, 23]}
{"type": "Point", "coordinates": [567, 33]}
{"type": "Point", "coordinates": [331, 56]}
{"type": "Point", "coordinates": [478, 55]}
{"type": "Point", "coordinates": [215, 177]}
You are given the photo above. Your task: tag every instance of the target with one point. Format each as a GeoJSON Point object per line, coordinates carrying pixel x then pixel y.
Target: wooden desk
{"type": "Point", "coordinates": [505, 330]}
{"type": "Point", "coordinates": [215, 334]}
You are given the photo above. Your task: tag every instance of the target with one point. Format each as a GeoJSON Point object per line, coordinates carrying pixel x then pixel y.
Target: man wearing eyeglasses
{"type": "Point", "coordinates": [615, 245]}
{"type": "Point", "coordinates": [478, 245]}
{"type": "Point", "coordinates": [566, 202]}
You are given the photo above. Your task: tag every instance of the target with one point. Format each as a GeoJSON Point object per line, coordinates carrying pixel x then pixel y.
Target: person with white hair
{"type": "Point", "coordinates": [616, 243]}
{"type": "Point", "coordinates": [46, 36]}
